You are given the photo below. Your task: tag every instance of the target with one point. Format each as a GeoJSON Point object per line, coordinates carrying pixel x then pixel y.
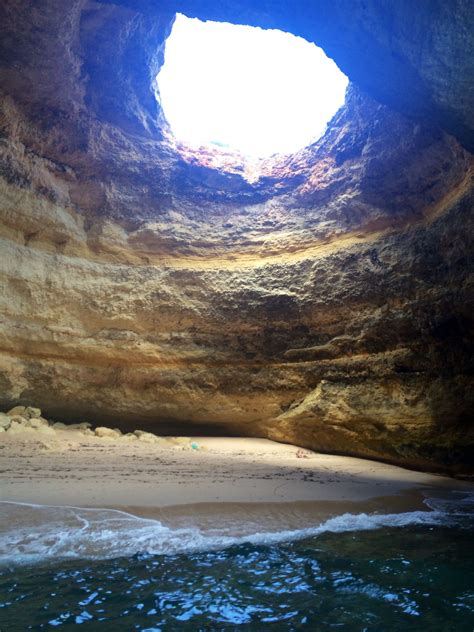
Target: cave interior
{"type": "Point", "coordinates": [322, 298]}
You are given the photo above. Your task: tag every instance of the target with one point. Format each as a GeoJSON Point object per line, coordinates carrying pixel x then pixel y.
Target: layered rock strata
{"type": "Point", "coordinates": [323, 299]}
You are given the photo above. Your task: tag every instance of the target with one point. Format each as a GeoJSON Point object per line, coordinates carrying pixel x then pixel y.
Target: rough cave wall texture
{"type": "Point", "coordinates": [326, 300]}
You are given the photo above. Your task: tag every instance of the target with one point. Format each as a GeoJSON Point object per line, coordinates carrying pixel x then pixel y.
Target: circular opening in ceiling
{"type": "Point", "coordinates": [246, 90]}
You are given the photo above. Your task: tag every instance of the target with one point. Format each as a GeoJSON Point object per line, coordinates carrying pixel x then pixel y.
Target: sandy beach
{"type": "Point", "coordinates": [98, 493]}
{"type": "Point", "coordinates": [74, 467]}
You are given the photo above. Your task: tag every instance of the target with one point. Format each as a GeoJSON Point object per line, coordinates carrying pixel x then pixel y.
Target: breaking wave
{"type": "Point", "coordinates": [35, 533]}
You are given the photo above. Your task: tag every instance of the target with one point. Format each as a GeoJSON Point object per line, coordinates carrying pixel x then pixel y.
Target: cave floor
{"type": "Point", "coordinates": [202, 479]}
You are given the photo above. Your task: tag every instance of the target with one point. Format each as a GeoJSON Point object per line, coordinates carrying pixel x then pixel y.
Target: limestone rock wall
{"type": "Point", "coordinates": [323, 298]}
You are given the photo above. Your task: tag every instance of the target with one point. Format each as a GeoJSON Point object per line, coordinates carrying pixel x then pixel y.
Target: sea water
{"type": "Point", "coordinates": [108, 570]}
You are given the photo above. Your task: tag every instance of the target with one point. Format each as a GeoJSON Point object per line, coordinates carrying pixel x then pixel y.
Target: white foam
{"type": "Point", "coordinates": [457, 502]}
{"type": "Point", "coordinates": [43, 532]}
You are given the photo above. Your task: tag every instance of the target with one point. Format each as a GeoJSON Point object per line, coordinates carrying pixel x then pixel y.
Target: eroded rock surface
{"type": "Point", "coordinates": [324, 298]}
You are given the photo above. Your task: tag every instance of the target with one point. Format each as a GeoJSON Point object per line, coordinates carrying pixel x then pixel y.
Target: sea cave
{"type": "Point", "coordinates": [186, 273]}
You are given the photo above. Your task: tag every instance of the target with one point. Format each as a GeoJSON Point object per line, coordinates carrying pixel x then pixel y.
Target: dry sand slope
{"type": "Point", "coordinates": [56, 464]}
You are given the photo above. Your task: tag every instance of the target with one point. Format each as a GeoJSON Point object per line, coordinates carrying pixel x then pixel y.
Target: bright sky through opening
{"type": "Point", "coordinates": [256, 91]}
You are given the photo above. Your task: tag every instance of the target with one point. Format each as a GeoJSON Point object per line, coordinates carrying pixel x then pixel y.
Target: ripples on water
{"type": "Point", "coordinates": [416, 577]}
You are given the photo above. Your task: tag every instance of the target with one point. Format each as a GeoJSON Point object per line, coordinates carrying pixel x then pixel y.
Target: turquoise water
{"type": "Point", "coordinates": [358, 573]}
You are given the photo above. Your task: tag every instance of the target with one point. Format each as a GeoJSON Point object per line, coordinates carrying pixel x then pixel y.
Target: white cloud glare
{"type": "Point", "coordinates": [256, 91]}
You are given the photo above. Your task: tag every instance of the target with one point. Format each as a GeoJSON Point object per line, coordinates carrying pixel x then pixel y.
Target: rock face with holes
{"type": "Point", "coordinates": [324, 298]}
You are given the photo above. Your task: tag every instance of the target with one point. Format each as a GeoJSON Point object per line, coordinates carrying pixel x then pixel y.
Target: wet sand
{"type": "Point", "coordinates": [69, 493]}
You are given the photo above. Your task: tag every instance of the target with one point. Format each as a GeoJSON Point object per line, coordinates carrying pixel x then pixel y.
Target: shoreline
{"type": "Point", "coordinates": [36, 534]}
{"type": "Point", "coordinates": [76, 494]}
{"type": "Point", "coordinates": [74, 466]}
{"type": "Point", "coordinates": [271, 515]}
